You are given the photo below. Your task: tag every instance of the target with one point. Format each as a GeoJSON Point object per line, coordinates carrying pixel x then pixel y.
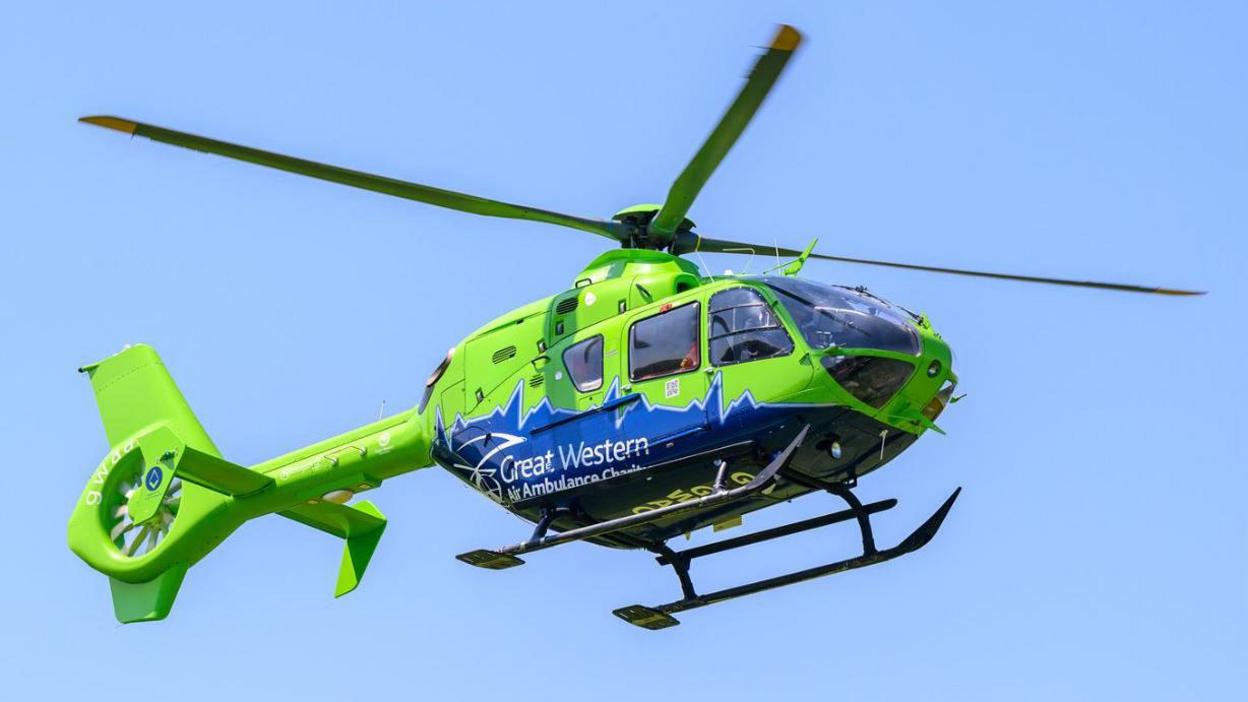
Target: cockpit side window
{"type": "Point", "coordinates": [584, 363]}
{"type": "Point", "coordinates": [743, 328]}
{"type": "Point", "coordinates": [665, 344]}
{"type": "Point", "coordinates": [433, 380]}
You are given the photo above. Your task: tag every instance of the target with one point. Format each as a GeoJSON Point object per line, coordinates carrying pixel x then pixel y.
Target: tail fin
{"type": "Point", "coordinates": [135, 392]}
{"type": "Point", "coordinates": [126, 517]}
{"type": "Point", "coordinates": [163, 497]}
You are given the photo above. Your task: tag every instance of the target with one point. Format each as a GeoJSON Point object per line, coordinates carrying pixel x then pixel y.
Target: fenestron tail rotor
{"type": "Point", "coordinates": [133, 538]}
{"type": "Point", "coordinates": [163, 497]}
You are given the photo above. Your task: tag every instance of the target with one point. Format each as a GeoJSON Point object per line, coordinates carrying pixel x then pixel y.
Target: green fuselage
{"type": "Point", "coordinates": [593, 402]}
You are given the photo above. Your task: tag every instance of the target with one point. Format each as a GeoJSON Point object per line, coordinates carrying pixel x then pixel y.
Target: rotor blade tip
{"type": "Point", "coordinates": [1180, 293]}
{"type": "Point", "coordinates": [117, 123]}
{"type": "Point", "coordinates": [787, 39]}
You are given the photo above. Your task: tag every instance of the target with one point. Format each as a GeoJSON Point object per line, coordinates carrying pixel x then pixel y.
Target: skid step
{"type": "Point", "coordinates": [493, 560]}
{"type": "Point", "coordinates": [645, 617]}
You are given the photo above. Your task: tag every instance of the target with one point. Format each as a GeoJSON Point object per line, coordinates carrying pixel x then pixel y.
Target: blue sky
{"type": "Point", "coordinates": [1100, 545]}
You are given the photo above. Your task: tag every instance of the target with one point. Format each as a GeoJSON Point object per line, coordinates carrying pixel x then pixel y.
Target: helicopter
{"type": "Point", "coordinates": [643, 402]}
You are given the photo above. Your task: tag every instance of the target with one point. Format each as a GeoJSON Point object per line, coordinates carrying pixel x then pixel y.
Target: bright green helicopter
{"type": "Point", "coordinates": [644, 402]}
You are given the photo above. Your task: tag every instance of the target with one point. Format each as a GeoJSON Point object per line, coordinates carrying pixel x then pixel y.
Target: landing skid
{"type": "Point", "coordinates": [660, 616]}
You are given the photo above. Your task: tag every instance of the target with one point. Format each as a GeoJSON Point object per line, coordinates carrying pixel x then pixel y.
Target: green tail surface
{"type": "Point", "coordinates": [164, 497]}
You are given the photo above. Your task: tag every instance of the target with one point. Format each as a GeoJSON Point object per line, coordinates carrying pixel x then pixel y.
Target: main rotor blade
{"type": "Point", "coordinates": [724, 246]}
{"type": "Point", "coordinates": [357, 179]}
{"type": "Point", "coordinates": [766, 70]}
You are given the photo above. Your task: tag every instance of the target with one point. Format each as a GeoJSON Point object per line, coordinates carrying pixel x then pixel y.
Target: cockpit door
{"type": "Point", "coordinates": [663, 362]}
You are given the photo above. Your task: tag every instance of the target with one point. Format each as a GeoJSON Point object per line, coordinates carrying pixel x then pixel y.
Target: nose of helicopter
{"type": "Point", "coordinates": [882, 355]}
{"type": "Point", "coordinates": [906, 390]}
{"type": "Point", "coordinates": [931, 387]}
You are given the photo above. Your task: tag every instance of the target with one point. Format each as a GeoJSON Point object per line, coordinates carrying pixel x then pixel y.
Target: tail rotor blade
{"type": "Point", "coordinates": [138, 541]}
{"type": "Point", "coordinates": [687, 186]}
{"type": "Point", "coordinates": [119, 530]}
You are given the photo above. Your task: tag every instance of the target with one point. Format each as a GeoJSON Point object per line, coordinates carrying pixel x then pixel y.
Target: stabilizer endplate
{"type": "Point", "coordinates": [360, 524]}
{"type": "Point", "coordinates": [149, 601]}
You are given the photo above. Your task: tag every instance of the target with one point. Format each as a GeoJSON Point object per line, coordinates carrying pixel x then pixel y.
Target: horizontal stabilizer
{"type": "Point", "coordinates": [220, 475]}
{"type": "Point", "coordinates": [360, 524]}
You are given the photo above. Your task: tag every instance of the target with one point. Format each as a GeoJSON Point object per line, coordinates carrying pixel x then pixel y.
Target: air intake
{"type": "Point", "coordinates": [566, 305]}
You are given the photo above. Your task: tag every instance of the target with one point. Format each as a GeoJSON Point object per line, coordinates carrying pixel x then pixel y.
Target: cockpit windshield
{"type": "Point", "coordinates": [834, 316]}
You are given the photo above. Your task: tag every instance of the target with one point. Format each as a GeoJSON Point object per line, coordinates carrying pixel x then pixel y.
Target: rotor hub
{"type": "Point", "coordinates": [637, 233]}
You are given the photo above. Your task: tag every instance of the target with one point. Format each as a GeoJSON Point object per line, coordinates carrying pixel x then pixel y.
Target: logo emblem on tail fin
{"type": "Point", "coordinates": [153, 478]}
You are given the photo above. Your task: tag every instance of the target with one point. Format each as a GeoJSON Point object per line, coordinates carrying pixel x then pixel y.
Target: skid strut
{"type": "Point", "coordinates": [506, 557]}
{"type": "Point", "coordinates": [660, 616]}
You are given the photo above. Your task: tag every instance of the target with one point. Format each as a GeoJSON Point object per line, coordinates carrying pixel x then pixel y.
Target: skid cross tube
{"type": "Point", "coordinates": [506, 557]}
{"type": "Point", "coordinates": [660, 616]}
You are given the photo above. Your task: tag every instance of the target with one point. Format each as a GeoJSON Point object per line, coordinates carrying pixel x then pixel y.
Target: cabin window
{"type": "Point", "coordinates": [584, 363]}
{"type": "Point", "coordinates": [665, 344]}
{"type": "Point", "coordinates": [743, 328]}
{"type": "Point", "coordinates": [870, 379]}
{"type": "Point", "coordinates": [433, 380]}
